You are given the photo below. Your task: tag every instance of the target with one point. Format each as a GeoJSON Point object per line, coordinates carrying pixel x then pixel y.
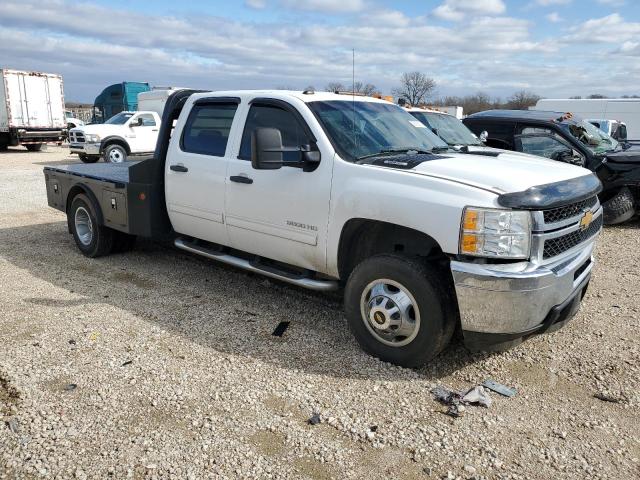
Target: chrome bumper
{"type": "Point", "coordinates": [517, 298]}
{"type": "Point", "coordinates": [86, 148]}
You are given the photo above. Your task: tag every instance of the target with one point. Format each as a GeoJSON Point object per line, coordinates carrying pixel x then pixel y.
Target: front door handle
{"type": "Point", "coordinates": [241, 179]}
{"type": "Point", "coordinates": [179, 168]}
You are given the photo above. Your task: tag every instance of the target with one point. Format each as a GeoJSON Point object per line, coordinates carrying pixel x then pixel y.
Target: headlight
{"type": "Point", "coordinates": [495, 233]}
{"type": "Point", "coordinates": [93, 138]}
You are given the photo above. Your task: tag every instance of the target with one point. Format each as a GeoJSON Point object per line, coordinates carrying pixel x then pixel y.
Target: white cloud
{"type": "Point", "coordinates": [389, 18]}
{"type": "Point", "coordinates": [546, 3]}
{"type": "Point", "coordinates": [458, 10]}
{"type": "Point", "coordinates": [554, 17]}
{"type": "Point", "coordinates": [326, 6]}
{"type": "Point", "coordinates": [256, 4]}
{"type": "Point", "coordinates": [610, 29]}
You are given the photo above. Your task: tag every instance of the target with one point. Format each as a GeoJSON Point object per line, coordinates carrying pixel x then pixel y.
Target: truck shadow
{"type": "Point", "coordinates": [222, 308]}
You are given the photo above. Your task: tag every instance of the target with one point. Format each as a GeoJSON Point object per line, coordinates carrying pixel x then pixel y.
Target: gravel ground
{"type": "Point", "coordinates": [158, 364]}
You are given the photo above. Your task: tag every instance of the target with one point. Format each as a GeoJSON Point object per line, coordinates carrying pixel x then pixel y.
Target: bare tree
{"type": "Point", "coordinates": [364, 88]}
{"type": "Point", "coordinates": [522, 100]}
{"type": "Point", "coordinates": [335, 87]}
{"type": "Point", "coordinates": [596, 95]}
{"type": "Point", "coordinates": [415, 87]}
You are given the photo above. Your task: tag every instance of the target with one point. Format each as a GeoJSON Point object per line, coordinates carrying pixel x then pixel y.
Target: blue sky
{"type": "Point", "coordinates": [553, 48]}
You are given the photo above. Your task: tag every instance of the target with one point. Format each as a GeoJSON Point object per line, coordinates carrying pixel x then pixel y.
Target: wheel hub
{"type": "Point", "coordinates": [390, 312]}
{"type": "Point", "coordinates": [84, 226]}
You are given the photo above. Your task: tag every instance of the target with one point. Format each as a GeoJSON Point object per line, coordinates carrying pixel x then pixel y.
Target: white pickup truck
{"type": "Point", "coordinates": [123, 135]}
{"type": "Point", "coordinates": [325, 191]}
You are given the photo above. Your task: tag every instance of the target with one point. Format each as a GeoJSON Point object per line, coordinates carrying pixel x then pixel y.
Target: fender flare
{"type": "Point", "coordinates": [114, 139]}
{"type": "Point", "coordinates": [84, 189]}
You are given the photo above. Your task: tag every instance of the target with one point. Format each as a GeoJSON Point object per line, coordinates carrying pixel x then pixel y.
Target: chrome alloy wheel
{"type": "Point", "coordinates": [390, 312]}
{"type": "Point", "coordinates": [84, 226]}
{"type": "Point", "coordinates": [116, 155]}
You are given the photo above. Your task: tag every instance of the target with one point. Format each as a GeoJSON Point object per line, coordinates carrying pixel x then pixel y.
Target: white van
{"type": "Point", "coordinates": [625, 110]}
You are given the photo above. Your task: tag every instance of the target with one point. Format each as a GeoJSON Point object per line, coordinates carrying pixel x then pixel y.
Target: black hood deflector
{"type": "Point", "coordinates": [553, 195]}
{"type": "Point", "coordinates": [402, 161]}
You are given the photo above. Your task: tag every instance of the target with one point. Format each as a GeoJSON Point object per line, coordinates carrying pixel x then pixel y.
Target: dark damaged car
{"type": "Point", "coordinates": [570, 139]}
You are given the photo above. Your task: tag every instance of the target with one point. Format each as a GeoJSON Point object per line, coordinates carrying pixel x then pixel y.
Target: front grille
{"type": "Point", "coordinates": [76, 137]}
{"type": "Point", "coordinates": [562, 213]}
{"type": "Point", "coordinates": [559, 245]}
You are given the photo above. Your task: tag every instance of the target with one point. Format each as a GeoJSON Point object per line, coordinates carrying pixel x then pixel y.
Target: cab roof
{"type": "Point", "coordinates": [426, 110]}
{"type": "Point", "coordinates": [519, 114]}
{"type": "Point", "coordinates": [307, 96]}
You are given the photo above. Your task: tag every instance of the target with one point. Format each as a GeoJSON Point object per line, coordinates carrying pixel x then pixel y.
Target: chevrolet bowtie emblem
{"type": "Point", "coordinates": [586, 220]}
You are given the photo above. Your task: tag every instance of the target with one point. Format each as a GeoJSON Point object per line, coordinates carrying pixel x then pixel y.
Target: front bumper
{"type": "Point", "coordinates": [86, 148]}
{"type": "Point", "coordinates": [501, 304]}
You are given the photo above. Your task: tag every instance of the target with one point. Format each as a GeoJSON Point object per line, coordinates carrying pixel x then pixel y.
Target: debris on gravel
{"type": "Point", "coordinates": [211, 393]}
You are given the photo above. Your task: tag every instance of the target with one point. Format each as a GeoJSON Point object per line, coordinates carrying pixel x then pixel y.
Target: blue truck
{"type": "Point", "coordinates": [120, 97]}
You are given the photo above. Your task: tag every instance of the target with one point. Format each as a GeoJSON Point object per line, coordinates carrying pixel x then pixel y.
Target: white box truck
{"type": "Point", "coordinates": [625, 110]}
{"type": "Point", "coordinates": [31, 109]}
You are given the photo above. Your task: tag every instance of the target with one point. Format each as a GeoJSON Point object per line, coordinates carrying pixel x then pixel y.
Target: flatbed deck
{"type": "Point", "coordinates": [124, 194]}
{"type": "Point", "coordinates": [117, 173]}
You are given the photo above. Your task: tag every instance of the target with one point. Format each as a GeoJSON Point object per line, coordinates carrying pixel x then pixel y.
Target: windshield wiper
{"type": "Point", "coordinates": [439, 149]}
{"type": "Point", "coordinates": [392, 151]}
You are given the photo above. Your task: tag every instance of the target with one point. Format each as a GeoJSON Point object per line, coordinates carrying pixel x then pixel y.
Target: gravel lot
{"type": "Point", "coordinates": [157, 364]}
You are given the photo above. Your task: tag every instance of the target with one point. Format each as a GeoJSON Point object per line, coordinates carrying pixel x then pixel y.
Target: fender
{"type": "Point", "coordinates": [115, 139]}
{"type": "Point", "coordinates": [82, 188]}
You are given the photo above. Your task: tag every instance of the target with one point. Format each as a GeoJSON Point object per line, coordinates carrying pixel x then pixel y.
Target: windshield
{"type": "Point", "coordinates": [359, 129]}
{"type": "Point", "coordinates": [119, 119]}
{"type": "Point", "coordinates": [448, 128]}
{"type": "Point", "coordinates": [595, 139]}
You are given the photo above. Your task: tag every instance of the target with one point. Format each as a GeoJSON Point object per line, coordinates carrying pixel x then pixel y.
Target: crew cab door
{"type": "Point", "coordinates": [196, 168]}
{"type": "Point", "coordinates": [280, 214]}
{"type": "Point", "coordinates": [143, 132]}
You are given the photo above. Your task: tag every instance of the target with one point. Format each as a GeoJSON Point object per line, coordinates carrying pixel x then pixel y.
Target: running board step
{"type": "Point", "coordinates": [268, 271]}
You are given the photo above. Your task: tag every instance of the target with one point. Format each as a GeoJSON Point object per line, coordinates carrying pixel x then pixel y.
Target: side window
{"type": "Point", "coordinates": [267, 116]}
{"type": "Point", "coordinates": [534, 130]}
{"type": "Point", "coordinates": [147, 120]}
{"type": "Point", "coordinates": [550, 147]}
{"type": "Point", "coordinates": [207, 129]}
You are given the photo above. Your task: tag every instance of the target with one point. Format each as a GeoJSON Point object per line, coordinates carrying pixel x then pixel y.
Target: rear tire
{"type": "Point", "coordinates": [115, 153]}
{"type": "Point", "coordinates": [88, 158]}
{"type": "Point", "coordinates": [398, 310]}
{"type": "Point", "coordinates": [619, 208]}
{"type": "Point", "coordinates": [34, 147]}
{"type": "Point", "coordinates": [92, 239]}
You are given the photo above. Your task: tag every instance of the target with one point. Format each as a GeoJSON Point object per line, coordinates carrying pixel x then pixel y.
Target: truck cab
{"type": "Point", "coordinates": [328, 191]}
{"type": "Point", "coordinates": [126, 134]}
{"type": "Point", "coordinates": [567, 138]}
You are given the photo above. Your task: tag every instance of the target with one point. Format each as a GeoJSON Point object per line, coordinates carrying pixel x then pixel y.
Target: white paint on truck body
{"type": "Point", "coordinates": [31, 100]}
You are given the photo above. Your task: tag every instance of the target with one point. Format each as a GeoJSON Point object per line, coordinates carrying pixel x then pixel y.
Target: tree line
{"type": "Point", "coordinates": [417, 88]}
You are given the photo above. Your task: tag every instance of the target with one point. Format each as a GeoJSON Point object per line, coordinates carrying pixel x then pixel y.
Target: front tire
{"type": "Point", "coordinates": [115, 154]}
{"type": "Point", "coordinates": [619, 208]}
{"type": "Point", "coordinates": [398, 311]}
{"type": "Point", "coordinates": [92, 239]}
{"type": "Point", "coordinates": [34, 147]}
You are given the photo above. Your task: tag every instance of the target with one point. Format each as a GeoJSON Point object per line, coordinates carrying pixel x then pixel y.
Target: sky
{"type": "Point", "coordinates": [554, 48]}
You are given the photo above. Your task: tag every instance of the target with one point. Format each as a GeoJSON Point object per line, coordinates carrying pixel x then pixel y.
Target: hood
{"type": "Point", "coordinates": [630, 155]}
{"type": "Point", "coordinates": [102, 129]}
{"type": "Point", "coordinates": [507, 172]}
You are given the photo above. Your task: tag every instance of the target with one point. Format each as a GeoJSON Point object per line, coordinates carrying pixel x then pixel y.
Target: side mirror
{"type": "Point", "coordinates": [483, 136]}
{"type": "Point", "coordinates": [435, 131]}
{"type": "Point", "coordinates": [266, 149]}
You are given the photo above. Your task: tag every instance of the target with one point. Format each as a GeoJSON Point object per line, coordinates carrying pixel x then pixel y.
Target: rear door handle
{"type": "Point", "coordinates": [241, 179]}
{"type": "Point", "coordinates": [179, 168]}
